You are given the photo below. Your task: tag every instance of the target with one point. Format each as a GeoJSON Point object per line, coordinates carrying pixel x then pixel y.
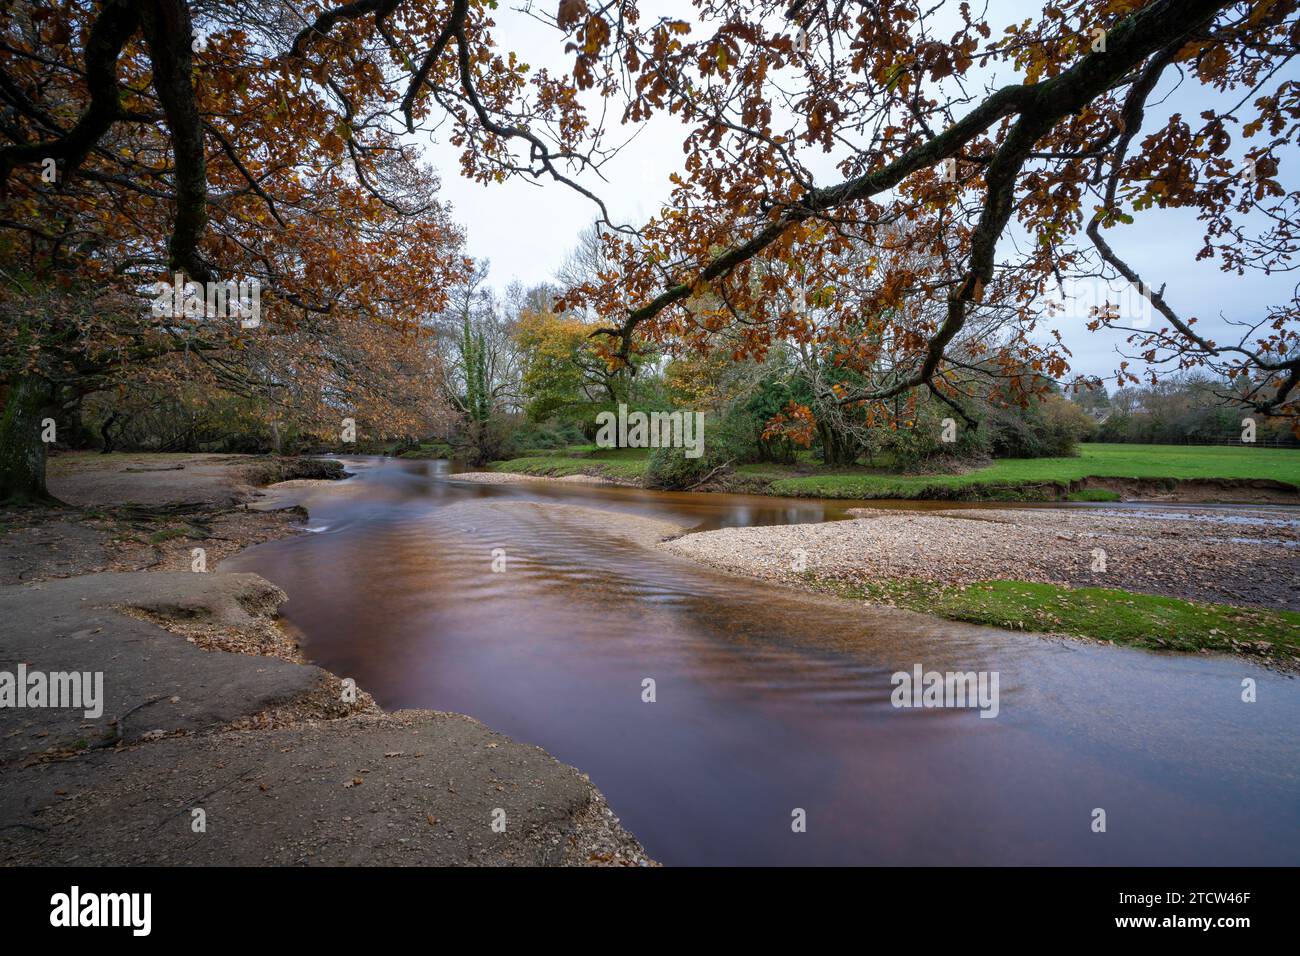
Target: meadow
{"type": "Point", "coordinates": [1008, 478]}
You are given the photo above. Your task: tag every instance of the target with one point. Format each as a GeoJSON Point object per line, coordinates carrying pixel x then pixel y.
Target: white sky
{"type": "Point", "coordinates": [526, 230]}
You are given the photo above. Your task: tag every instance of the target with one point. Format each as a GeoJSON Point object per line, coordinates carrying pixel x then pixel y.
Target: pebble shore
{"type": "Point", "coordinates": [1245, 557]}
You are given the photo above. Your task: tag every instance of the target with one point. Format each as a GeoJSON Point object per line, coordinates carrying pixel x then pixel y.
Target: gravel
{"type": "Point", "coordinates": [1243, 557]}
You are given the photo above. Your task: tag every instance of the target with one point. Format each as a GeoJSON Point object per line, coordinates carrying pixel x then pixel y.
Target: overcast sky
{"type": "Point", "coordinates": [526, 230]}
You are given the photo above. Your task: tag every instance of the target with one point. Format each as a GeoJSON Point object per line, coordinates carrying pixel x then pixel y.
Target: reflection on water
{"type": "Point", "coordinates": [770, 700]}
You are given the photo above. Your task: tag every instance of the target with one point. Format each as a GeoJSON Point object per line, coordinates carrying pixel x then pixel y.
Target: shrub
{"type": "Point", "coordinates": [1011, 433]}
{"type": "Point", "coordinates": [917, 444]}
{"type": "Point", "coordinates": [740, 431]}
{"type": "Point", "coordinates": [670, 470]}
{"type": "Point", "coordinates": [551, 434]}
{"type": "Point", "coordinates": [1050, 428]}
{"type": "Point", "coordinates": [726, 443]}
{"type": "Point", "coordinates": [1067, 424]}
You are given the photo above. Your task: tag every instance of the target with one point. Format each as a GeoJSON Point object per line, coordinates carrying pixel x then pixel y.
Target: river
{"type": "Point", "coordinates": [769, 701]}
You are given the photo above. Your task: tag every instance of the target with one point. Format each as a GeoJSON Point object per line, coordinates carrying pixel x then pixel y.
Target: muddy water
{"type": "Point", "coordinates": [770, 701]}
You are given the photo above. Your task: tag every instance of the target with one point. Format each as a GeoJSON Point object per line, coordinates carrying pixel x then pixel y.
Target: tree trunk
{"type": "Point", "coordinates": [837, 450]}
{"type": "Point", "coordinates": [106, 433]}
{"type": "Point", "coordinates": [22, 452]}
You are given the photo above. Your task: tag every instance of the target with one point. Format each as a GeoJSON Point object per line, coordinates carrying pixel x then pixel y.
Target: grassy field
{"type": "Point", "coordinates": [1138, 620]}
{"type": "Point", "coordinates": [1006, 479]}
{"type": "Point", "coordinates": [1017, 477]}
{"type": "Point", "coordinates": [624, 464]}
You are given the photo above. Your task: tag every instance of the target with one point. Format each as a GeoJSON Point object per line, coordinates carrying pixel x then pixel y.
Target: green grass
{"type": "Point", "coordinates": [1138, 620]}
{"type": "Point", "coordinates": [1041, 478]}
{"type": "Point", "coordinates": [626, 464]}
{"type": "Point", "coordinates": [1008, 479]}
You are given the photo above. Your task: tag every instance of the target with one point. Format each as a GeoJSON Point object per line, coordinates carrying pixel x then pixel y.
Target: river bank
{"type": "Point", "coordinates": [1189, 580]}
{"type": "Point", "coordinates": [216, 743]}
{"type": "Point", "coordinates": [1100, 472]}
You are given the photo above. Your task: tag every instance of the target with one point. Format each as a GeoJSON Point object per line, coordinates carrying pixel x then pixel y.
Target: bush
{"type": "Point", "coordinates": [740, 432]}
{"type": "Point", "coordinates": [917, 444]}
{"type": "Point", "coordinates": [670, 470]}
{"type": "Point", "coordinates": [1067, 425]}
{"type": "Point", "coordinates": [727, 443]}
{"type": "Point", "coordinates": [493, 439]}
{"type": "Point", "coordinates": [552, 434]}
{"type": "Point", "coordinates": [1012, 434]}
{"type": "Point", "coordinates": [1051, 428]}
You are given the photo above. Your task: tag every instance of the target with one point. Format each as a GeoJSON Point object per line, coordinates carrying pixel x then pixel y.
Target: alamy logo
{"type": "Point", "coordinates": [103, 909]}
{"type": "Point", "coordinates": [82, 691]}
{"type": "Point", "coordinates": [651, 430]}
{"type": "Point", "coordinates": [951, 689]}
{"type": "Point", "coordinates": [212, 300]}
{"type": "Point", "coordinates": [1089, 299]}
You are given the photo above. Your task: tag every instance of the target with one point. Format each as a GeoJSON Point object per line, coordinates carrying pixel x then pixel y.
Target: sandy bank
{"type": "Point", "coordinates": [646, 532]}
{"type": "Point", "coordinates": [91, 480]}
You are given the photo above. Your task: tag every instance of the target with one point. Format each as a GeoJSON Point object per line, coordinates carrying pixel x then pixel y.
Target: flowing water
{"type": "Point", "coordinates": [768, 700]}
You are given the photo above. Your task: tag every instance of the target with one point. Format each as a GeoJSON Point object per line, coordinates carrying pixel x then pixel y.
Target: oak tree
{"type": "Point", "coordinates": [987, 163]}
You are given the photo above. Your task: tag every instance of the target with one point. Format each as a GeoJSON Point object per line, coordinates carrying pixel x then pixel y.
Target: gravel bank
{"type": "Point", "coordinates": [1241, 557]}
